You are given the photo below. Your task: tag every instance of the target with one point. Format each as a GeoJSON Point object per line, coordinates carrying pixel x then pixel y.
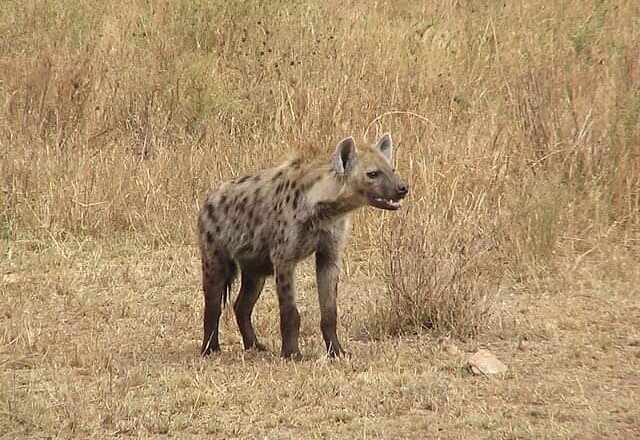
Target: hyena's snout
{"type": "Point", "coordinates": [402, 189]}
{"type": "Point", "coordinates": [393, 195]}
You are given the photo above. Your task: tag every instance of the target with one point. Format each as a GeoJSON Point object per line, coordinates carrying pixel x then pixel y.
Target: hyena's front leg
{"type": "Point", "coordinates": [327, 273]}
{"type": "Point", "coordinates": [289, 316]}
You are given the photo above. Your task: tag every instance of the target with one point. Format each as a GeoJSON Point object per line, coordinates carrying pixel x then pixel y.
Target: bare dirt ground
{"type": "Point", "coordinates": [101, 339]}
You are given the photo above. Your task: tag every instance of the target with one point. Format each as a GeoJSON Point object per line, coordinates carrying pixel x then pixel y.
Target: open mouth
{"type": "Point", "coordinates": [388, 204]}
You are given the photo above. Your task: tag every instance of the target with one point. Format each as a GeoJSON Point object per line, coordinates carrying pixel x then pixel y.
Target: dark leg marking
{"type": "Point", "coordinates": [250, 289]}
{"type": "Point", "coordinates": [327, 273]}
{"type": "Point", "coordinates": [215, 281]}
{"type": "Point", "coordinates": [289, 316]}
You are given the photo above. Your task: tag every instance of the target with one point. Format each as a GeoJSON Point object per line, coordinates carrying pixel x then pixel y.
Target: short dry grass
{"type": "Point", "coordinates": [101, 339]}
{"type": "Point", "coordinates": [516, 123]}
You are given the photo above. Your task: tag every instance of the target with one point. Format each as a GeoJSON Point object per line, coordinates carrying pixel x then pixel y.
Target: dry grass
{"type": "Point", "coordinates": [517, 125]}
{"type": "Point", "coordinates": [101, 339]}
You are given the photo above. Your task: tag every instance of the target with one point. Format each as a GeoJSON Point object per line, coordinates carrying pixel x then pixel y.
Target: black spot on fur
{"type": "Point", "coordinates": [287, 199]}
{"type": "Point", "coordinates": [277, 175]}
{"type": "Point", "coordinates": [256, 178]}
{"type": "Point", "coordinates": [296, 197]}
{"type": "Point", "coordinates": [242, 179]}
{"type": "Point", "coordinates": [210, 210]}
{"type": "Point", "coordinates": [223, 200]}
{"type": "Point", "coordinates": [209, 238]}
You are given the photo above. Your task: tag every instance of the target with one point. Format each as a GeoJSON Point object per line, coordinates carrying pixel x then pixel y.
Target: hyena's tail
{"type": "Point", "coordinates": [232, 272]}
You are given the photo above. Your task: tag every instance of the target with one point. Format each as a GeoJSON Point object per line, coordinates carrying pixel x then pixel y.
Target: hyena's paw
{"type": "Point", "coordinates": [335, 351]}
{"type": "Point", "coordinates": [258, 346]}
{"type": "Point", "coordinates": [292, 355]}
{"type": "Point", "coordinates": [207, 350]}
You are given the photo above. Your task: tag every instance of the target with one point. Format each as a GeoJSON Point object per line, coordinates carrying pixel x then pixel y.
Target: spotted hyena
{"type": "Point", "coordinates": [265, 223]}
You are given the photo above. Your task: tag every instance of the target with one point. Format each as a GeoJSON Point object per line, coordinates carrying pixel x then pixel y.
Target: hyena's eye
{"type": "Point", "coordinates": [373, 174]}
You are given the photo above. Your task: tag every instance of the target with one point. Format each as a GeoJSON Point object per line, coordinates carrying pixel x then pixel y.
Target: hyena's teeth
{"type": "Point", "coordinates": [389, 202]}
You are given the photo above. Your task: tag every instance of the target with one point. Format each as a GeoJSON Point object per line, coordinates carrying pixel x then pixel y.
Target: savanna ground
{"type": "Point", "coordinates": [516, 123]}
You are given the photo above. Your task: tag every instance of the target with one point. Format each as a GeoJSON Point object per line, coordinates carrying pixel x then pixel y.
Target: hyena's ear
{"type": "Point", "coordinates": [345, 156]}
{"type": "Point", "coordinates": [385, 145]}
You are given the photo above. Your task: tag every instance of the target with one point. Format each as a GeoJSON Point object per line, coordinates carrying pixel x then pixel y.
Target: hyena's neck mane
{"type": "Point", "coordinates": [329, 194]}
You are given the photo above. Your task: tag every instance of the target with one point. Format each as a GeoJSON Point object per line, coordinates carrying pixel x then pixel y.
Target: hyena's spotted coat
{"type": "Point", "coordinates": [267, 222]}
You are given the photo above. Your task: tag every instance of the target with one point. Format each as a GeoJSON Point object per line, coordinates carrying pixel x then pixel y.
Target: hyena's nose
{"type": "Point", "coordinates": [403, 188]}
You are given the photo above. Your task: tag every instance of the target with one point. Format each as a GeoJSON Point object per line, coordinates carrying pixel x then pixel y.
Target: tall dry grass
{"type": "Point", "coordinates": [515, 122]}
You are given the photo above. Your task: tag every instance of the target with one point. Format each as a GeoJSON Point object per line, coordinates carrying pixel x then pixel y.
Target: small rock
{"type": "Point", "coordinates": [485, 362]}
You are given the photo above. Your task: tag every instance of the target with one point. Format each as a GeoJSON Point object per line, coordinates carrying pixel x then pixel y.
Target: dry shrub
{"type": "Point", "coordinates": [443, 254]}
{"type": "Point", "coordinates": [439, 277]}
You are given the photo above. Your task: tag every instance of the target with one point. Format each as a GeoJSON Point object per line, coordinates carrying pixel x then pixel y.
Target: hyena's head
{"type": "Point", "coordinates": [369, 173]}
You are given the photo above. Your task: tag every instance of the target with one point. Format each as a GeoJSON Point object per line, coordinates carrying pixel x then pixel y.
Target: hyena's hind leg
{"type": "Point", "coordinates": [218, 271]}
{"type": "Point", "coordinates": [250, 289]}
